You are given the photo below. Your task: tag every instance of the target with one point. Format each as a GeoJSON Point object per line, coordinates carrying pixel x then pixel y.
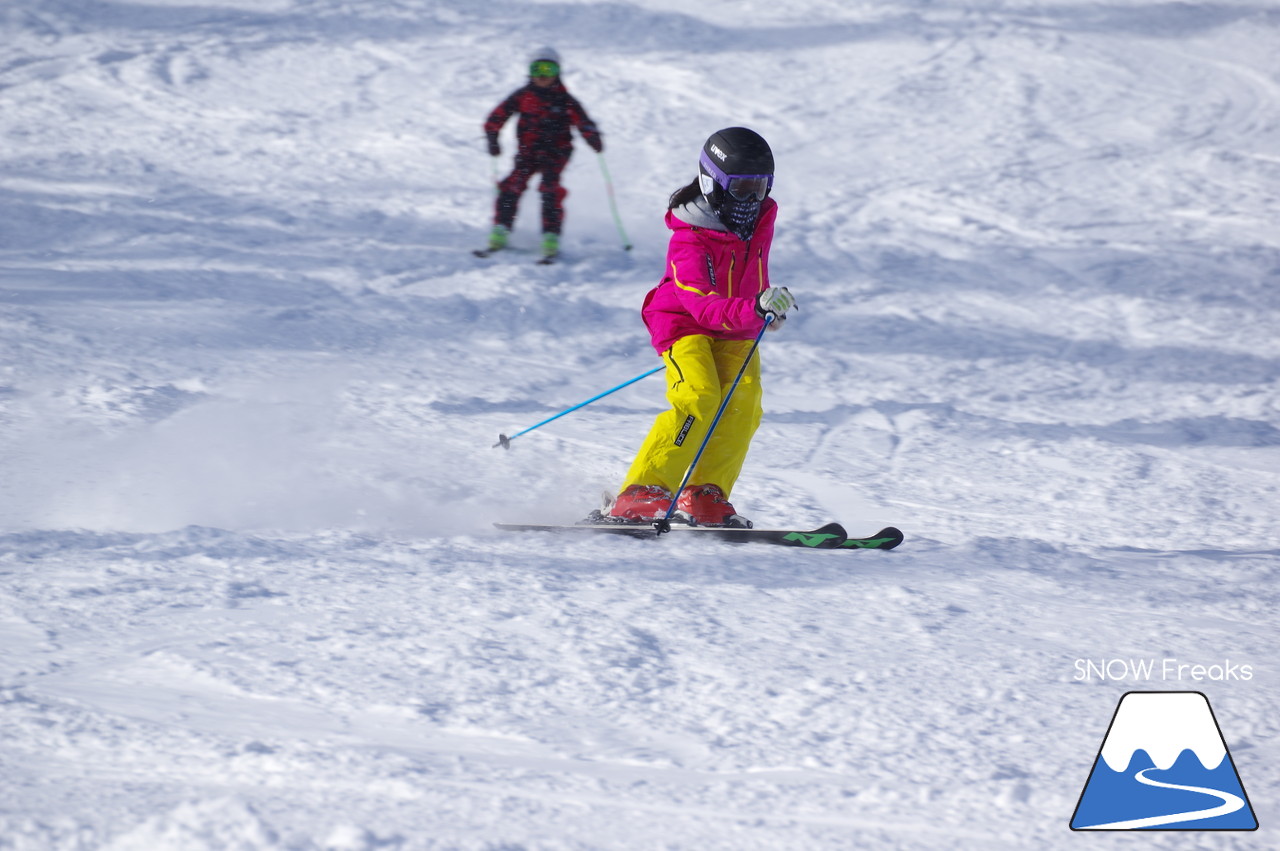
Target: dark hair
{"type": "Point", "coordinates": [684, 195]}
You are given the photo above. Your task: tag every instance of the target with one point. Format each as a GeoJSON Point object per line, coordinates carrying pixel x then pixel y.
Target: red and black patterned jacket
{"type": "Point", "coordinates": [546, 114]}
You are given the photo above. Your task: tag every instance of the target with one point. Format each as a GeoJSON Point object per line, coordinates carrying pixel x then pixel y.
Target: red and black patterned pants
{"type": "Point", "coordinates": [547, 163]}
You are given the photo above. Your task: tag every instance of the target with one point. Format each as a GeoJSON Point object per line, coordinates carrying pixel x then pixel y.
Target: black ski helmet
{"type": "Point", "coordinates": [732, 151]}
{"type": "Point", "coordinates": [735, 174]}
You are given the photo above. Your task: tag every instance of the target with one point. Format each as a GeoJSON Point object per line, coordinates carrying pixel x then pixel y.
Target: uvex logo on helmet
{"type": "Point", "coordinates": [719, 153]}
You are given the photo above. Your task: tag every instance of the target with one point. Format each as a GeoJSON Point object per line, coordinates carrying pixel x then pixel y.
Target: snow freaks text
{"type": "Point", "coordinates": [1165, 670]}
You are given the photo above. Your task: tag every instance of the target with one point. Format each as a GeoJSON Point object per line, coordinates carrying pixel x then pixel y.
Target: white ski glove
{"type": "Point", "coordinates": [775, 300]}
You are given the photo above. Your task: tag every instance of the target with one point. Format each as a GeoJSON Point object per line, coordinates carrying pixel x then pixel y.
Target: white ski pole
{"type": "Point", "coordinates": [613, 203]}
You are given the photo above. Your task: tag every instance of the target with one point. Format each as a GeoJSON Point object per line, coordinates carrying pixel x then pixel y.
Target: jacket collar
{"type": "Point", "coordinates": [699, 214]}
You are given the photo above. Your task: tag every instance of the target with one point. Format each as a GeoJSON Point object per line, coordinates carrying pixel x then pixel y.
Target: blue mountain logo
{"type": "Point", "coordinates": [1164, 765]}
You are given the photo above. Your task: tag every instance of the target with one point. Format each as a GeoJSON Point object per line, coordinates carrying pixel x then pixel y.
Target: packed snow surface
{"type": "Point", "coordinates": [251, 377]}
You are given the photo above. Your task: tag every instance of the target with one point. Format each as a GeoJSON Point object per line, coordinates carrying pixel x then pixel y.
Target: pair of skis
{"type": "Point", "coordinates": [832, 536]}
{"type": "Point", "coordinates": [544, 260]}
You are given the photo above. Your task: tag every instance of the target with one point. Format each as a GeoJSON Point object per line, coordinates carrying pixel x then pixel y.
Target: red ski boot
{"type": "Point", "coordinates": [641, 503]}
{"type": "Point", "coordinates": [705, 505]}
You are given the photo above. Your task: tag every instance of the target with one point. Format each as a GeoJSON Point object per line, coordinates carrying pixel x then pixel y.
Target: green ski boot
{"type": "Point", "coordinates": [550, 247]}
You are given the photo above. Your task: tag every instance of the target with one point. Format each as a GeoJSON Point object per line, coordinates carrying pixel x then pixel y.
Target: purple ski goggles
{"type": "Point", "coordinates": [741, 187]}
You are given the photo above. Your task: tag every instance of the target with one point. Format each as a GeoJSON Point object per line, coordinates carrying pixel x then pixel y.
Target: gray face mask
{"type": "Point", "coordinates": [740, 217]}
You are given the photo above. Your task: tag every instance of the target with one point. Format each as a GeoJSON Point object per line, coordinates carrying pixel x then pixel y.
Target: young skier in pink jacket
{"type": "Point", "coordinates": [703, 319]}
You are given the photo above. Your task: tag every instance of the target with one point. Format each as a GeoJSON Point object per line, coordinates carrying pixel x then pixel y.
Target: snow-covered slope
{"type": "Point", "coordinates": [251, 375]}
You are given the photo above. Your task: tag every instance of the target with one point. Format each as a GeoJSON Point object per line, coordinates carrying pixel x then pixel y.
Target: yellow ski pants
{"type": "Point", "coordinates": [700, 370]}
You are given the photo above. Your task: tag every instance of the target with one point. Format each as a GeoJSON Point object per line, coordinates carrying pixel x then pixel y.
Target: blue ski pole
{"type": "Point", "coordinates": [664, 525]}
{"type": "Point", "coordinates": [505, 442]}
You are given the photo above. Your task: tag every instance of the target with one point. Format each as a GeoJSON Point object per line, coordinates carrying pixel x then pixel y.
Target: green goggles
{"type": "Point", "coordinates": [544, 68]}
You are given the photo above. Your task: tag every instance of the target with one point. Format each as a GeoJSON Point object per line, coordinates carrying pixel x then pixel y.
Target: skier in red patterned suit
{"type": "Point", "coordinates": [547, 111]}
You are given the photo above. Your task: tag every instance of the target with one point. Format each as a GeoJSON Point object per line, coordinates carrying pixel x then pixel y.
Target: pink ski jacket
{"type": "Point", "coordinates": [711, 282]}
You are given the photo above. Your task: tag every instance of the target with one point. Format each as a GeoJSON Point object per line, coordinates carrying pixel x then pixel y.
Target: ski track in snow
{"type": "Point", "coordinates": [251, 375]}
